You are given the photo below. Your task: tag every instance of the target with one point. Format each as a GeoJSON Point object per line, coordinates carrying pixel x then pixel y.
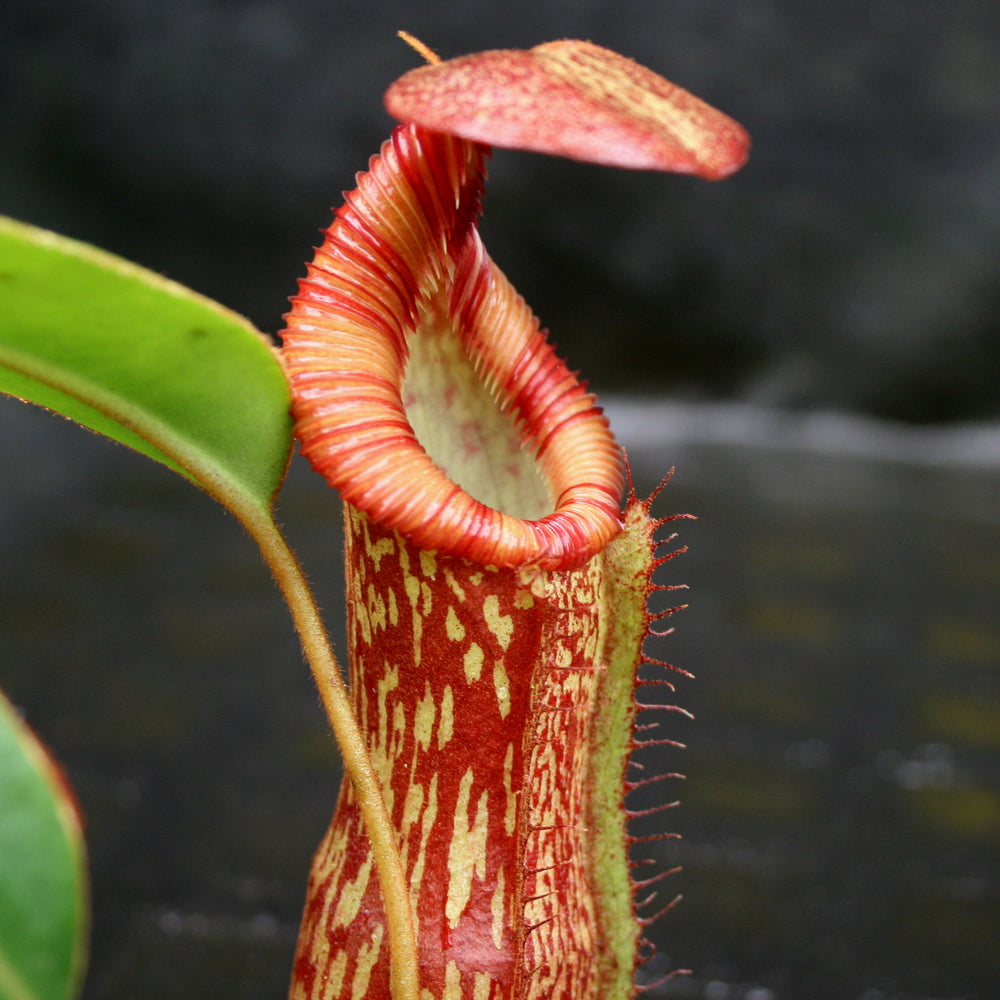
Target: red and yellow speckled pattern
{"type": "Point", "coordinates": [477, 689]}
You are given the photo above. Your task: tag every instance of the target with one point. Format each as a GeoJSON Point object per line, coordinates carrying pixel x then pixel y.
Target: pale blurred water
{"type": "Point", "coordinates": [841, 816]}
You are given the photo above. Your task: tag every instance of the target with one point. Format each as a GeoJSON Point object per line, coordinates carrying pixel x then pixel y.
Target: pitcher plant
{"type": "Point", "coordinates": [499, 563]}
{"type": "Point", "coordinates": [497, 596]}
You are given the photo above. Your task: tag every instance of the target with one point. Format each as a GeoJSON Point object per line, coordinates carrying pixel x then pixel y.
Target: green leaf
{"type": "Point", "coordinates": [144, 361]}
{"type": "Point", "coordinates": [43, 877]}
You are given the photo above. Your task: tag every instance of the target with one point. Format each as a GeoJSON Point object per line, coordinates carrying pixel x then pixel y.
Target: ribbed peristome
{"type": "Point", "coordinates": [403, 262]}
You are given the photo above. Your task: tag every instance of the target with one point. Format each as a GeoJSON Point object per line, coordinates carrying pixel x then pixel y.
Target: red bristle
{"type": "Point", "coordinates": [653, 810]}
{"type": "Point", "coordinates": [646, 921]}
{"type": "Point", "coordinates": [654, 879]}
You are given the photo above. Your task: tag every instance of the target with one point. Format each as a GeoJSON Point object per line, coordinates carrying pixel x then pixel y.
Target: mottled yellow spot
{"type": "Point", "coordinates": [446, 728]}
{"type": "Point", "coordinates": [351, 894]}
{"type": "Point", "coordinates": [426, 822]}
{"type": "Point", "coordinates": [362, 620]}
{"type": "Point", "coordinates": [427, 598]}
{"type": "Point", "coordinates": [411, 813]}
{"type": "Point", "coordinates": [393, 609]}
{"type": "Point", "coordinates": [376, 607]}
{"type": "Point", "coordinates": [501, 683]}
{"type": "Point", "coordinates": [498, 907]}
{"type": "Point", "coordinates": [467, 851]}
{"type": "Point", "coordinates": [473, 662]}
{"type": "Point", "coordinates": [398, 731]}
{"type": "Point", "coordinates": [335, 977]}
{"type": "Point", "coordinates": [333, 850]}
{"type": "Point", "coordinates": [423, 718]}
{"type": "Point", "coordinates": [367, 956]}
{"type": "Point", "coordinates": [562, 658]}
{"type": "Point", "coordinates": [454, 629]}
{"type": "Point", "coordinates": [502, 626]}
{"type": "Point", "coordinates": [428, 563]}
{"type": "Point", "coordinates": [412, 585]}
{"type": "Point", "coordinates": [387, 683]}
{"type": "Point", "coordinates": [523, 599]}
{"type": "Point", "coordinates": [383, 745]}
{"type": "Point", "coordinates": [453, 584]}
{"type": "Point", "coordinates": [452, 982]}
{"type": "Point", "coordinates": [510, 812]}
{"type": "Point", "coordinates": [537, 581]}
{"type": "Point", "coordinates": [375, 552]}
{"type": "Point", "coordinates": [481, 989]}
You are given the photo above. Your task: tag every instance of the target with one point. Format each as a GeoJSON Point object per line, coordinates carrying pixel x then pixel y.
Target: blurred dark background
{"type": "Point", "coordinates": [854, 262]}
{"type": "Point", "coordinates": [814, 343]}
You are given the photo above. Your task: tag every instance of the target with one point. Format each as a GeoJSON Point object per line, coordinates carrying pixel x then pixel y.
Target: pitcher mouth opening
{"type": "Point", "coordinates": [401, 264]}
